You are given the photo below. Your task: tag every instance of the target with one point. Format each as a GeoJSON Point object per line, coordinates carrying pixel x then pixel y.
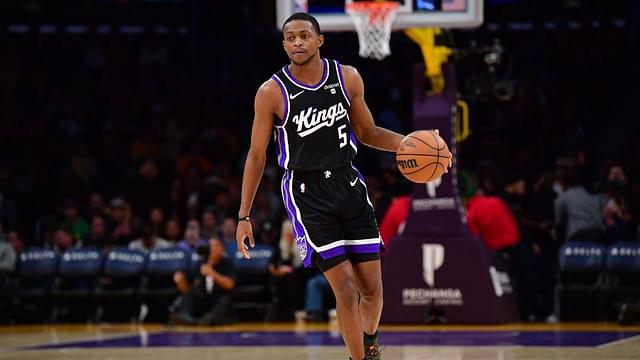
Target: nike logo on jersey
{"type": "Point", "coordinates": [353, 183]}
{"type": "Point", "coordinates": [292, 96]}
{"type": "Point", "coordinates": [312, 119]}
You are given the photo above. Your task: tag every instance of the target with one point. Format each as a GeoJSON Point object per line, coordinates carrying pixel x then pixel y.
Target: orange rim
{"type": "Point", "coordinates": [369, 5]}
{"type": "Point", "coordinates": [376, 11]}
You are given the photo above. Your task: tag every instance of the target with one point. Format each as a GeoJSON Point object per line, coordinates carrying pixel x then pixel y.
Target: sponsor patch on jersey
{"type": "Point", "coordinates": [331, 86]}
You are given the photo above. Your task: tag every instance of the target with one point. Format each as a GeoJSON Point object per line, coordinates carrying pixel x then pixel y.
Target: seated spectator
{"type": "Point", "coordinates": [577, 213]}
{"type": "Point", "coordinates": [394, 218]}
{"type": "Point", "coordinates": [318, 289]}
{"type": "Point", "coordinates": [283, 282]}
{"type": "Point", "coordinates": [209, 223]}
{"type": "Point", "coordinates": [79, 227]}
{"type": "Point", "coordinates": [7, 264]}
{"type": "Point", "coordinates": [290, 287]}
{"type": "Point", "coordinates": [192, 237]}
{"type": "Point", "coordinates": [156, 221]}
{"type": "Point", "coordinates": [490, 218]}
{"type": "Point", "coordinates": [207, 299]}
{"type": "Point", "coordinates": [7, 257]}
{"type": "Point", "coordinates": [96, 205]}
{"type": "Point", "coordinates": [173, 231]}
{"type": "Point", "coordinates": [537, 222]}
{"type": "Point", "coordinates": [121, 233]}
{"type": "Point", "coordinates": [99, 236]}
{"type": "Point", "coordinates": [149, 241]}
{"type": "Point", "coordinates": [268, 233]}
{"type": "Point", "coordinates": [63, 240]}
{"type": "Point", "coordinates": [148, 188]}
{"type": "Point", "coordinates": [229, 225]}
{"type": "Point", "coordinates": [616, 206]}
{"type": "Point", "coordinates": [16, 240]}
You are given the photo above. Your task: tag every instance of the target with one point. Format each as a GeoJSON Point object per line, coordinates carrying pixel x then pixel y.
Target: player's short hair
{"type": "Point", "coordinates": [305, 17]}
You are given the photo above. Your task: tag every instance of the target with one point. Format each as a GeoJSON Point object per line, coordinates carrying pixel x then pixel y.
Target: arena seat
{"type": "Point", "coordinates": [32, 283]}
{"type": "Point", "coordinates": [158, 289]}
{"type": "Point", "coordinates": [580, 281]}
{"type": "Point", "coordinates": [118, 291]}
{"type": "Point", "coordinates": [75, 285]}
{"type": "Point", "coordinates": [253, 286]}
{"type": "Point", "coordinates": [622, 275]}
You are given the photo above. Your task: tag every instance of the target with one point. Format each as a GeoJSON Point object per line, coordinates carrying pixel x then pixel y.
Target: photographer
{"type": "Point", "coordinates": [207, 299]}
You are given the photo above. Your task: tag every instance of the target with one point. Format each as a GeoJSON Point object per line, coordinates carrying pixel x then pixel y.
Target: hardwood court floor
{"type": "Point", "coordinates": [587, 341]}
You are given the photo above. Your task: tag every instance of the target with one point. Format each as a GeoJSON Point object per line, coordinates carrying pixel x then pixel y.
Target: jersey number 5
{"type": "Point", "coordinates": [342, 135]}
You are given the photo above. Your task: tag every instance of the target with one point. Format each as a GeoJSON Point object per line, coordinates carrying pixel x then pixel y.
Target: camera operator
{"type": "Point", "coordinates": [207, 299]}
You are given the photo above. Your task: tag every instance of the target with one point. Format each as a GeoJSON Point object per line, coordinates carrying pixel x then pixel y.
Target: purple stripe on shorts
{"type": "Point", "coordinates": [363, 249]}
{"type": "Point", "coordinates": [331, 253]}
{"type": "Point", "coordinates": [350, 249]}
{"type": "Point", "coordinates": [298, 230]}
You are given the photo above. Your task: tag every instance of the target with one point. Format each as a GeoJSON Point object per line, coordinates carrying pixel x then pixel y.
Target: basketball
{"type": "Point", "coordinates": [423, 156]}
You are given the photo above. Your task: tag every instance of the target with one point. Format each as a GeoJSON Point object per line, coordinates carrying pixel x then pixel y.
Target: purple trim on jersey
{"type": "Point", "coordinates": [285, 98]}
{"type": "Point", "coordinates": [325, 76]}
{"type": "Point", "coordinates": [352, 140]}
{"type": "Point", "coordinates": [359, 174]}
{"type": "Point", "coordinates": [298, 229]}
{"type": "Point", "coordinates": [282, 148]}
{"type": "Point", "coordinates": [342, 86]}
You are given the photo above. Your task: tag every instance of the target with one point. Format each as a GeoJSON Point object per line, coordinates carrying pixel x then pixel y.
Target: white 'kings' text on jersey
{"type": "Point", "coordinates": [315, 131]}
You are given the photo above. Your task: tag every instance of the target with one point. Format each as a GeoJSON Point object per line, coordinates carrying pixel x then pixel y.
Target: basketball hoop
{"type": "Point", "coordinates": [373, 20]}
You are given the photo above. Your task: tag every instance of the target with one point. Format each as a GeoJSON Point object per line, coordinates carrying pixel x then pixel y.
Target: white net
{"type": "Point", "coordinates": [373, 21]}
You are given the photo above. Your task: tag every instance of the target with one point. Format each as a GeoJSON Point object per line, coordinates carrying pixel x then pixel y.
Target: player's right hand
{"type": "Point", "coordinates": [437, 132]}
{"type": "Point", "coordinates": [244, 231]}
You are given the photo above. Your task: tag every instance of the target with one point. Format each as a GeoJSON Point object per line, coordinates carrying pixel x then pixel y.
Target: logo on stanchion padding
{"type": "Point", "coordinates": [432, 260]}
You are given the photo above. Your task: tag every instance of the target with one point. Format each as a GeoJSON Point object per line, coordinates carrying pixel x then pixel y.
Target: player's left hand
{"type": "Point", "coordinates": [243, 232]}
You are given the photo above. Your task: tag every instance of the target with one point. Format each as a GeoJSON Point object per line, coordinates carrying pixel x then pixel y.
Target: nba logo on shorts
{"type": "Point", "coordinates": [432, 260]}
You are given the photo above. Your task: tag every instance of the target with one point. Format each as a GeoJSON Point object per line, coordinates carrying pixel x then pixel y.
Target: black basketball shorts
{"type": "Point", "coordinates": [331, 215]}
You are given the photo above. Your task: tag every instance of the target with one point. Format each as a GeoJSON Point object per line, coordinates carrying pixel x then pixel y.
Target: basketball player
{"type": "Point", "coordinates": [316, 107]}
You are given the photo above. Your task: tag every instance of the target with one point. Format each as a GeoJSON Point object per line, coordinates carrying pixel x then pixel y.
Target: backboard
{"type": "Point", "coordinates": [411, 13]}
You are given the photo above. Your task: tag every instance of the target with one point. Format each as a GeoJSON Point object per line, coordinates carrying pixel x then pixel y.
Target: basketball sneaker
{"type": "Point", "coordinates": [372, 352]}
{"type": "Point", "coordinates": [372, 348]}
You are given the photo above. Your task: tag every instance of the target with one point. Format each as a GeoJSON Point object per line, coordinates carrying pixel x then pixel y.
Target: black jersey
{"type": "Point", "coordinates": [315, 131]}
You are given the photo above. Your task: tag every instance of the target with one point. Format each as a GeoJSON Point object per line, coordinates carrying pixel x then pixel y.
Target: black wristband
{"type": "Point", "coordinates": [244, 218]}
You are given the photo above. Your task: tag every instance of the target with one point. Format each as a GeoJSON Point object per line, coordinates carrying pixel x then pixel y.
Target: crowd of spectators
{"type": "Point", "coordinates": [115, 142]}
